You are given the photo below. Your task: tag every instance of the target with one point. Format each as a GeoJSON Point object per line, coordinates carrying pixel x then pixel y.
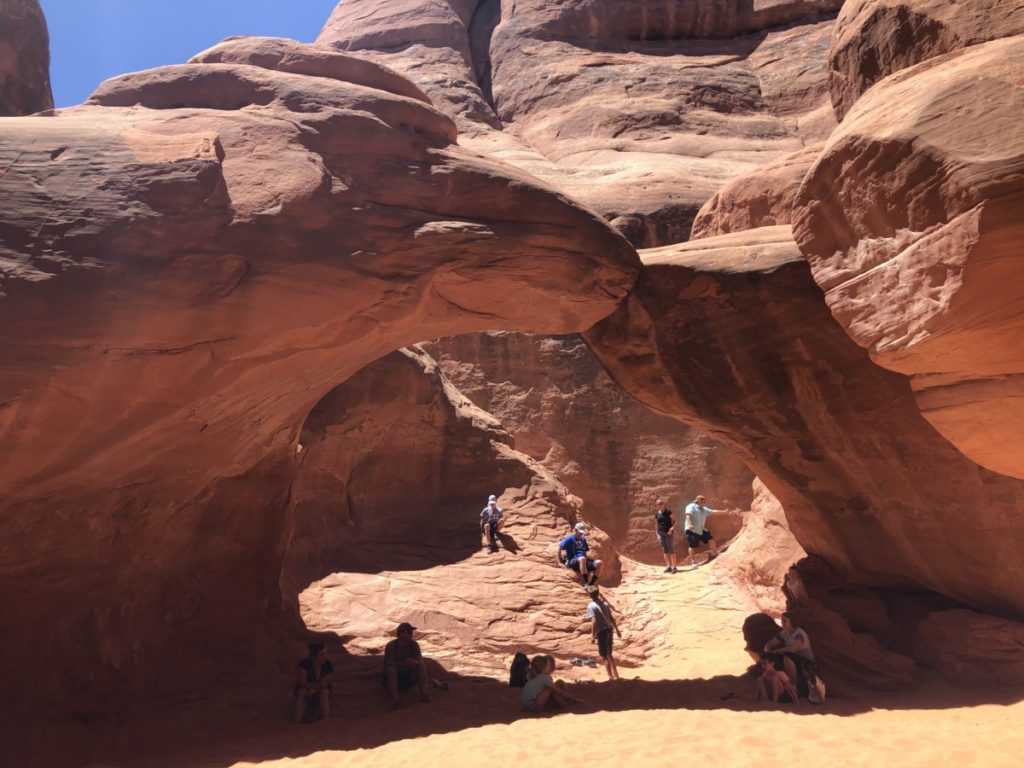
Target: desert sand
{"type": "Point", "coordinates": [668, 711]}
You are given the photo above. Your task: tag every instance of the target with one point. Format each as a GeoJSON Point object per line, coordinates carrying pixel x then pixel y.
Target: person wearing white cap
{"type": "Point", "coordinates": [492, 520]}
{"type": "Point", "coordinates": [572, 550]}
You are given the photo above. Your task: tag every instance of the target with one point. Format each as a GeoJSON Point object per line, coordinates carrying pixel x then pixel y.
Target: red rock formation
{"type": "Point", "coordinates": [24, 58]}
{"type": "Point", "coordinates": [972, 648]}
{"type": "Point", "coordinates": [911, 221]}
{"type": "Point", "coordinates": [761, 554]}
{"type": "Point", "coordinates": [613, 453]}
{"type": "Point", "coordinates": [395, 467]}
{"type": "Point", "coordinates": [765, 197]}
{"type": "Point", "coordinates": [876, 38]}
{"type": "Point", "coordinates": [730, 334]}
{"type": "Point", "coordinates": [189, 263]}
{"type": "Point", "coordinates": [640, 111]}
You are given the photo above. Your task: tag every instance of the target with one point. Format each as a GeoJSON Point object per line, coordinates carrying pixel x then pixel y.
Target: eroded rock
{"type": "Point", "coordinates": [190, 261]}
{"type": "Point", "coordinates": [911, 221]}
{"type": "Point", "coordinates": [730, 334]}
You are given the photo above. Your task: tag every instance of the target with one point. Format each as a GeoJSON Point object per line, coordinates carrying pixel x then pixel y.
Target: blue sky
{"type": "Point", "coordinates": [91, 40]}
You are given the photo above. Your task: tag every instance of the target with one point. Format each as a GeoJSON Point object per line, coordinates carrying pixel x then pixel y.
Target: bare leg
{"type": "Point", "coordinates": [668, 560]}
{"type": "Point", "coordinates": [693, 556]}
{"type": "Point", "coordinates": [790, 667]}
{"type": "Point", "coordinates": [714, 549]}
{"type": "Point", "coordinates": [673, 563]}
{"type": "Point", "coordinates": [598, 564]}
{"type": "Point", "coordinates": [613, 671]}
{"type": "Point", "coordinates": [542, 701]}
{"type": "Point", "coordinates": [776, 688]}
{"type": "Point", "coordinates": [421, 681]}
{"type": "Point", "coordinates": [391, 676]}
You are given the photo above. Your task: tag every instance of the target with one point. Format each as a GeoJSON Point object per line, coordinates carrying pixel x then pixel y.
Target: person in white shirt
{"type": "Point", "coordinates": [697, 531]}
{"type": "Point", "coordinates": [491, 522]}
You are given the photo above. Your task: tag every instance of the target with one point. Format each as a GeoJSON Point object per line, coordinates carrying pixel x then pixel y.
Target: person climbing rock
{"type": "Point", "coordinates": [572, 550]}
{"type": "Point", "coordinates": [492, 520]}
{"type": "Point", "coordinates": [313, 686]}
{"type": "Point", "coordinates": [697, 531]}
{"type": "Point", "coordinates": [602, 624]}
{"type": "Point", "coordinates": [666, 531]}
{"type": "Point", "coordinates": [404, 665]}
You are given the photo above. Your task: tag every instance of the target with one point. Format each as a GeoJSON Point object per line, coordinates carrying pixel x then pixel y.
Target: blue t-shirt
{"type": "Point", "coordinates": [573, 547]}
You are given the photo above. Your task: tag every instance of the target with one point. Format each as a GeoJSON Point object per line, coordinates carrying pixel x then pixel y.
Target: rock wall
{"type": "Point", "coordinates": [731, 334]}
{"type": "Point", "coordinates": [188, 263]}
{"type": "Point", "coordinates": [395, 467]}
{"type": "Point", "coordinates": [24, 59]}
{"type": "Point", "coordinates": [616, 455]}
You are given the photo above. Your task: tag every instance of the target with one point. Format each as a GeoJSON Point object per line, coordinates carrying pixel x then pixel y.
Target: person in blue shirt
{"type": "Point", "coordinates": [697, 531]}
{"type": "Point", "coordinates": [572, 551]}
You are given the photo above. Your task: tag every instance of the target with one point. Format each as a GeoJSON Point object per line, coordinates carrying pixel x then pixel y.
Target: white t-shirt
{"type": "Point", "coordinates": [799, 634]}
{"type": "Point", "coordinates": [696, 516]}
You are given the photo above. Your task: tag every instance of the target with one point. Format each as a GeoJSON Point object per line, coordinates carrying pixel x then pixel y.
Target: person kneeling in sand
{"type": "Point", "coordinates": [404, 666]}
{"type": "Point", "coordinates": [313, 686]}
{"type": "Point", "coordinates": [774, 684]}
{"type": "Point", "coordinates": [542, 691]}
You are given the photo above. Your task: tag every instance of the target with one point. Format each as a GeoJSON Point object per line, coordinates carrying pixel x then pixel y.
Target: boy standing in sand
{"type": "Point", "coordinates": [602, 624]}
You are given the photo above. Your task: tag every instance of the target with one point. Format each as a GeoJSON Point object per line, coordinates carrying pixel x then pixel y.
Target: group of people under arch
{"type": "Point", "coordinates": [787, 666]}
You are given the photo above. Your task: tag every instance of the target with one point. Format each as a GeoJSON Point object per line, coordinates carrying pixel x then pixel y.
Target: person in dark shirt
{"type": "Point", "coordinates": [572, 551]}
{"type": "Point", "coordinates": [666, 531]}
{"type": "Point", "coordinates": [313, 686]}
{"type": "Point", "coordinates": [403, 665]}
{"type": "Point", "coordinates": [602, 624]}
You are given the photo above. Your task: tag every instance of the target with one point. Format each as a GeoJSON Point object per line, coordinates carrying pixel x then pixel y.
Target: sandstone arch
{"type": "Point", "coordinates": [191, 260]}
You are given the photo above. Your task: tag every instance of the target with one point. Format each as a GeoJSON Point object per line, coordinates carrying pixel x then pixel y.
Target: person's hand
{"type": "Point", "coordinates": [593, 639]}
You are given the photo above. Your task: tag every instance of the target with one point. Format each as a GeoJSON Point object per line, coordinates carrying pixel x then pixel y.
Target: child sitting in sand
{"type": "Point", "coordinates": [774, 683]}
{"type": "Point", "coordinates": [541, 691]}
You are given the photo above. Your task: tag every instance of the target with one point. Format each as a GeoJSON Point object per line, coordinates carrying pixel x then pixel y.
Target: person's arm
{"type": "Point", "coordinates": [771, 645]}
{"type": "Point", "coordinates": [615, 624]}
{"type": "Point", "coordinates": [798, 643]}
{"type": "Point", "coordinates": [325, 679]}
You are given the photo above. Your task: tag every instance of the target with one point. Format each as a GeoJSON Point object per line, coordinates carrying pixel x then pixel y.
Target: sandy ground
{"type": "Point", "coordinates": [668, 712]}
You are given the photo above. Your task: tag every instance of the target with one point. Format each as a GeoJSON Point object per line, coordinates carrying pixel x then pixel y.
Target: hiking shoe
{"type": "Point", "coordinates": [675, 570]}
{"type": "Point", "coordinates": [668, 570]}
{"type": "Point", "coordinates": [576, 661]}
{"type": "Point", "coordinates": [590, 663]}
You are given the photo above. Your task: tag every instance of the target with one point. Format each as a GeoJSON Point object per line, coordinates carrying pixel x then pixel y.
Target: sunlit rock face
{"type": "Point", "coordinates": [24, 59]}
{"type": "Point", "coordinates": [731, 334]}
{"type": "Point", "coordinates": [395, 468]}
{"type": "Point", "coordinates": [639, 110]}
{"type": "Point", "coordinates": [615, 454]}
{"type": "Point", "coordinates": [188, 263]}
{"type": "Point", "coordinates": [911, 220]}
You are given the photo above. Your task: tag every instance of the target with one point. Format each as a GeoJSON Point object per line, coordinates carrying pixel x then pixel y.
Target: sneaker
{"type": "Point", "coordinates": [591, 662]}
{"type": "Point", "coordinates": [668, 570]}
{"type": "Point", "coordinates": [675, 570]}
{"type": "Point", "coordinates": [712, 556]}
{"type": "Point", "coordinates": [576, 661]}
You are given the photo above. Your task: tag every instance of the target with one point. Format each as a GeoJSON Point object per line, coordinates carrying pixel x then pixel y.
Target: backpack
{"type": "Point", "coordinates": [517, 672]}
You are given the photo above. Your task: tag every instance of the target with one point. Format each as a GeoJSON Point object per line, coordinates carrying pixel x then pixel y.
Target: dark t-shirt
{"type": "Point", "coordinates": [310, 666]}
{"type": "Point", "coordinates": [397, 652]}
{"type": "Point", "coordinates": [664, 520]}
{"type": "Point", "coordinates": [573, 547]}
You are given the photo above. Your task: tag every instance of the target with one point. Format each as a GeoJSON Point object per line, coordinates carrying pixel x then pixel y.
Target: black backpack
{"type": "Point", "coordinates": [517, 672]}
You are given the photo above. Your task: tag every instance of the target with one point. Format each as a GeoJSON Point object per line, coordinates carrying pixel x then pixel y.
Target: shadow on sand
{"type": "Point", "coordinates": [363, 718]}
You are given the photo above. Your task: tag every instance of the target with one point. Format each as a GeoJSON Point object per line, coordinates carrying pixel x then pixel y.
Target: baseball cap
{"type": "Point", "coordinates": [405, 626]}
{"type": "Point", "coordinates": [491, 498]}
{"type": "Point", "coordinates": [581, 527]}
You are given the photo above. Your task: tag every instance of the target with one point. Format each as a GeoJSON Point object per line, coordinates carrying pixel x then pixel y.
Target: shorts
{"type": "Point", "coordinates": [407, 678]}
{"type": "Point", "coordinates": [575, 564]}
{"type": "Point", "coordinates": [694, 539]}
{"type": "Point", "coordinates": [665, 539]}
{"type": "Point", "coordinates": [604, 643]}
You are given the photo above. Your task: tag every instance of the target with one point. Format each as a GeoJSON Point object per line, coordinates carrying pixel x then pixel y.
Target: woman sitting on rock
{"type": "Point", "coordinates": [794, 646]}
{"type": "Point", "coordinates": [542, 691]}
